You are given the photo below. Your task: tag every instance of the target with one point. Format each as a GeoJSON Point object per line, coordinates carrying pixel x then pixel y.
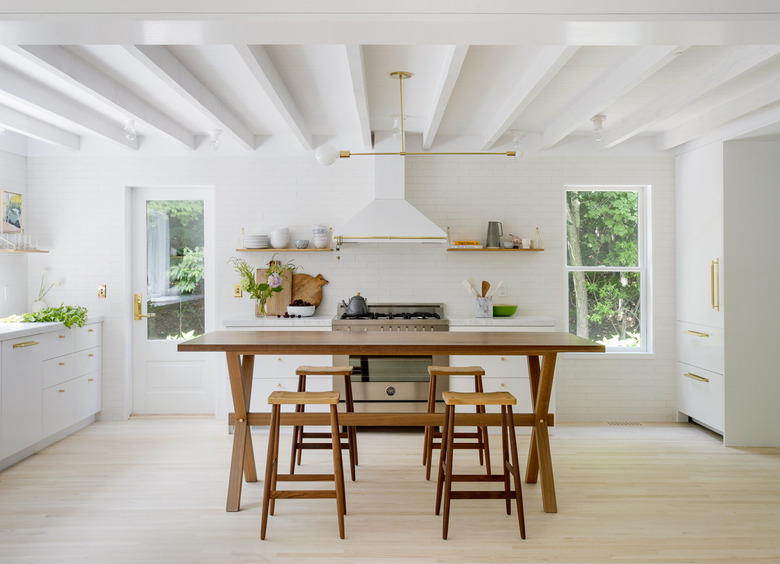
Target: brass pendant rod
{"type": "Point", "coordinates": [401, 90]}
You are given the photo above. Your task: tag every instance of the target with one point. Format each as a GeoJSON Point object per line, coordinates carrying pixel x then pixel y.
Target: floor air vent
{"type": "Point", "coordinates": [625, 423]}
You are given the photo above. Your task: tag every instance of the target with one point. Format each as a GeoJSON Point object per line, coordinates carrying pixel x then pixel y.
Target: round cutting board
{"type": "Point", "coordinates": [308, 288]}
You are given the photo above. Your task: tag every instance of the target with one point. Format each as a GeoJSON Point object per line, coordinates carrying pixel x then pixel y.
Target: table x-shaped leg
{"type": "Point", "coordinates": [243, 459]}
{"type": "Point", "coordinates": [539, 455]}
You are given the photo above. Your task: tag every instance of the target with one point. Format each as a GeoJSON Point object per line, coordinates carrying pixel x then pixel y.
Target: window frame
{"type": "Point", "coordinates": [644, 268]}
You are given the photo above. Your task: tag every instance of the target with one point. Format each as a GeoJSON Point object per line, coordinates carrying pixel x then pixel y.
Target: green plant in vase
{"type": "Point", "coordinates": [259, 290]}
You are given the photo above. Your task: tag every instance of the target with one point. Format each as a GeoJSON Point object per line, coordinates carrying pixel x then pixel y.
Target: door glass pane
{"type": "Point", "coordinates": [174, 269]}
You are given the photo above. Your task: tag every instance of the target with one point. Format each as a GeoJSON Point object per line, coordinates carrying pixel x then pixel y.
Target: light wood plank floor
{"type": "Point", "coordinates": [153, 490]}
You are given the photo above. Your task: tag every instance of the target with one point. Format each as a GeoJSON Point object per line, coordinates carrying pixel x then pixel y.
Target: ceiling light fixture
{"type": "Point", "coordinates": [214, 139]}
{"type": "Point", "coordinates": [398, 126]}
{"type": "Point", "coordinates": [598, 126]}
{"type": "Point", "coordinates": [130, 133]}
{"type": "Point", "coordinates": [327, 154]}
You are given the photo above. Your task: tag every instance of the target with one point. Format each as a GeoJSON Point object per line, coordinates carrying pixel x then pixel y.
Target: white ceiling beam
{"type": "Point", "coordinates": [92, 82]}
{"type": "Point", "coordinates": [164, 64]}
{"type": "Point", "coordinates": [542, 70]}
{"type": "Point", "coordinates": [262, 68]}
{"type": "Point", "coordinates": [453, 63]}
{"type": "Point", "coordinates": [633, 71]}
{"type": "Point", "coordinates": [36, 129]}
{"type": "Point", "coordinates": [57, 105]}
{"type": "Point", "coordinates": [357, 74]}
{"type": "Point", "coordinates": [742, 61]}
{"type": "Point", "coordinates": [758, 99]}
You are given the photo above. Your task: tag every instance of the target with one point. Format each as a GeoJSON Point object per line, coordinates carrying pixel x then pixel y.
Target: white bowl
{"type": "Point", "coordinates": [301, 243]}
{"type": "Point", "coordinates": [320, 243]}
{"type": "Point", "coordinates": [303, 311]}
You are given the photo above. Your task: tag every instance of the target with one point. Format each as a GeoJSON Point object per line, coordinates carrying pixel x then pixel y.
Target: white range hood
{"type": "Point", "coordinates": [389, 218]}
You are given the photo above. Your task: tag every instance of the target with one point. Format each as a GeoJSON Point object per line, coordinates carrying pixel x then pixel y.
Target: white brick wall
{"type": "Point", "coordinates": [80, 213]}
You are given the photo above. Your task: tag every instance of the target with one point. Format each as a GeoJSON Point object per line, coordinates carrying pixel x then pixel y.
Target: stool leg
{"type": "Point", "coordinates": [442, 454]}
{"type": "Point", "coordinates": [450, 433]}
{"type": "Point", "coordinates": [482, 432]}
{"type": "Point", "coordinates": [351, 431]}
{"type": "Point", "coordinates": [505, 458]}
{"type": "Point", "coordinates": [516, 473]}
{"type": "Point", "coordinates": [270, 466]}
{"type": "Point", "coordinates": [297, 437]}
{"type": "Point", "coordinates": [430, 432]}
{"type": "Point", "coordinates": [338, 469]}
{"type": "Point", "coordinates": [430, 408]}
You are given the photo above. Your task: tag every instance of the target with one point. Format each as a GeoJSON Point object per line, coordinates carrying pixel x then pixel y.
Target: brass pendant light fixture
{"type": "Point", "coordinates": [327, 154]}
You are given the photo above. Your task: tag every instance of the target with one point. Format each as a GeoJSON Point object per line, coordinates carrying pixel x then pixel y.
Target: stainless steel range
{"type": "Point", "coordinates": [392, 383]}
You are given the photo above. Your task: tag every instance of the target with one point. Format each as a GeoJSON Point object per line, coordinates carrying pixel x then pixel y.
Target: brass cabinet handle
{"type": "Point", "coordinates": [62, 364]}
{"type": "Point", "coordinates": [61, 336]}
{"type": "Point", "coordinates": [61, 391]}
{"type": "Point", "coordinates": [90, 354]}
{"type": "Point", "coordinates": [90, 330]}
{"type": "Point", "coordinates": [715, 284]}
{"type": "Point", "coordinates": [696, 377]}
{"type": "Point", "coordinates": [696, 333]}
{"type": "Point", "coordinates": [90, 379]}
{"type": "Point", "coordinates": [26, 344]}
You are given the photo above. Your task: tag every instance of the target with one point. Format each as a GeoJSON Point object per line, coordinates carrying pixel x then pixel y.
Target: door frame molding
{"type": "Point", "coordinates": [209, 240]}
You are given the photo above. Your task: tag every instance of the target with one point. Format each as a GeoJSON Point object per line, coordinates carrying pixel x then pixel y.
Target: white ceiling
{"type": "Point", "coordinates": [281, 77]}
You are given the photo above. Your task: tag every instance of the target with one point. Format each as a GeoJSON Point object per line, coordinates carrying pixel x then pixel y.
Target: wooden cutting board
{"type": "Point", "coordinates": [308, 288]}
{"type": "Point", "coordinates": [278, 302]}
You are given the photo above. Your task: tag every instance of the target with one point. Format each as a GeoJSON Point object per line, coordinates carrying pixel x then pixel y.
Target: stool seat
{"type": "Point", "coordinates": [479, 438]}
{"type": "Point", "coordinates": [510, 465]}
{"type": "Point", "coordinates": [303, 398]}
{"type": "Point", "coordinates": [301, 438]}
{"type": "Point", "coordinates": [272, 476]}
{"type": "Point", "coordinates": [479, 398]}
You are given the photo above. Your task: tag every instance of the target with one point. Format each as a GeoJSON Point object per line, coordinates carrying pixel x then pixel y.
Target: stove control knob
{"type": "Point", "coordinates": [390, 391]}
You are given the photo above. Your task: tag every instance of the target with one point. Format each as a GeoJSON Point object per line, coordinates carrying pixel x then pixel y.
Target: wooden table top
{"type": "Point", "coordinates": [414, 343]}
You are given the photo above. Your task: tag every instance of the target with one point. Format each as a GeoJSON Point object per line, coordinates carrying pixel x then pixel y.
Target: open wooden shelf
{"type": "Point", "coordinates": [270, 250]}
{"type": "Point", "coordinates": [491, 250]}
{"type": "Point", "coordinates": [23, 251]}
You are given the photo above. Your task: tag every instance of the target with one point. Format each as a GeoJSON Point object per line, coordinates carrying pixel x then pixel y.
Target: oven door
{"type": "Point", "coordinates": [391, 383]}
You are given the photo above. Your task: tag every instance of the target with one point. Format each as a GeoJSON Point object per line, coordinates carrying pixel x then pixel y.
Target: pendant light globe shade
{"type": "Point", "coordinates": [326, 155]}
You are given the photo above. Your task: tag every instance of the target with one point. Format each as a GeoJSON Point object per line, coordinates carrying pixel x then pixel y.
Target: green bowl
{"type": "Point", "coordinates": [504, 310]}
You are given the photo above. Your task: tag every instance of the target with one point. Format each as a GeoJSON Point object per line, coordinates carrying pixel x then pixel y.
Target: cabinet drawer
{"type": "Point", "coordinates": [59, 407]}
{"type": "Point", "coordinates": [87, 337]}
{"type": "Point", "coordinates": [88, 399]}
{"type": "Point", "coordinates": [57, 343]}
{"type": "Point", "coordinates": [284, 366]}
{"type": "Point", "coordinates": [700, 395]}
{"type": "Point", "coordinates": [59, 370]}
{"type": "Point", "coordinates": [700, 345]}
{"type": "Point", "coordinates": [495, 366]}
{"type": "Point", "coordinates": [87, 361]}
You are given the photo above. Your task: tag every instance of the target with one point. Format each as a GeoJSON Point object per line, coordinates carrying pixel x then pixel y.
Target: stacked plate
{"type": "Point", "coordinates": [256, 241]}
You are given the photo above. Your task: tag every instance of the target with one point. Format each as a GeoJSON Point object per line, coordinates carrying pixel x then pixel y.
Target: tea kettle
{"type": "Point", "coordinates": [357, 305]}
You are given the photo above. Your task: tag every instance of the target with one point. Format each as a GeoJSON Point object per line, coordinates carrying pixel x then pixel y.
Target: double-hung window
{"type": "Point", "coordinates": [607, 265]}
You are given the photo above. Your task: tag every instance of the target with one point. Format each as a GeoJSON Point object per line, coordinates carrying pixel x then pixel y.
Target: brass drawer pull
{"type": "Point", "coordinates": [90, 380]}
{"type": "Point", "coordinates": [62, 336]}
{"type": "Point", "coordinates": [62, 364]}
{"type": "Point", "coordinates": [90, 355]}
{"type": "Point", "coordinates": [696, 333]}
{"type": "Point", "coordinates": [26, 344]}
{"type": "Point", "coordinates": [696, 377]}
{"type": "Point", "coordinates": [61, 391]}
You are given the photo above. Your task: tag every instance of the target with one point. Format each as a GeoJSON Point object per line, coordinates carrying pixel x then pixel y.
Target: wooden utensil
{"type": "Point", "coordinates": [278, 301]}
{"type": "Point", "coordinates": [308, 288]}
{"type": "Point", "coordinates": [485, 288]}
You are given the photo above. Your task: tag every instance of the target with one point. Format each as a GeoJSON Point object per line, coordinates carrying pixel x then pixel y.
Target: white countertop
{"type": "Point", "coordinates": [316, 320]}
{"type": "Point", "coordinates": [10, 331]}
{"type": "Point", "coordinates": [510, 321]}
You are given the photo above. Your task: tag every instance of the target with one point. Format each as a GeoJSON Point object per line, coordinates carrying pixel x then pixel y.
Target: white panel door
{"type": "Point", "coordinates": [173, 249]}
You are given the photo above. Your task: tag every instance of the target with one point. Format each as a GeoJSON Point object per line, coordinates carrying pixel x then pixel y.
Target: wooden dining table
{"type": "Point", "coordinates": [540, 348]}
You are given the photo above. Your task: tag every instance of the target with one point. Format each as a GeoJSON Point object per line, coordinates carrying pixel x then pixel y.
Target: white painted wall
{"type": "Point", "coordinates": [13, 267]}
{"type": "Point", "coordinates": [751, 191]}
{"type": "Point", "coordinates": [80, 213]}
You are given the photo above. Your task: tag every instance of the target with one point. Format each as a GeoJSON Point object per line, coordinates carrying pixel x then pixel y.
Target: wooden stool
{"type": "Point", "coordinates": [298, 443]}
{"type": "Point", "coordinates": [481, 434]}
{"type": "Point", "coordinates": [270, 493]}
{"type": "Point", "coordinates": [509, 465]}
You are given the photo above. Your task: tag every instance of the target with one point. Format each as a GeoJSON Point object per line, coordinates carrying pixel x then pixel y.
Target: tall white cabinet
{"type": "Point", "coordinates": [728, 197]}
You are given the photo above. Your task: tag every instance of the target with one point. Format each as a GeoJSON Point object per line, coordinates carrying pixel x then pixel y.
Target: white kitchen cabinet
{"type": "Point", "coordinates": [727, 201]}
{"type": "Point", "coordinates": [22, 380]}
{"type": "Point", "coordinates": [49, 386]}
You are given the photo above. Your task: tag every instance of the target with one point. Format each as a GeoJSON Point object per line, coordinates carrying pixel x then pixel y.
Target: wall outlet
{"type": "Point", "coordinates": [502, 291]}
{"type": "Point", "coordinates": [237, 292]}
{"type": "Point", "coordinates": [101, 291]}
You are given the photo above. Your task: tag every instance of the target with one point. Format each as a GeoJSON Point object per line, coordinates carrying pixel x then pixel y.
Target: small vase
{"type": "Point", "coordinates": [260, 308]}
{"type": "Point", "coordinates": [38, 305]}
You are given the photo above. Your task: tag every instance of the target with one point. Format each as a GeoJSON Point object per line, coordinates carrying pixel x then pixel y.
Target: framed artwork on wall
{"type": "Point", "coordinates": [10, 212]}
